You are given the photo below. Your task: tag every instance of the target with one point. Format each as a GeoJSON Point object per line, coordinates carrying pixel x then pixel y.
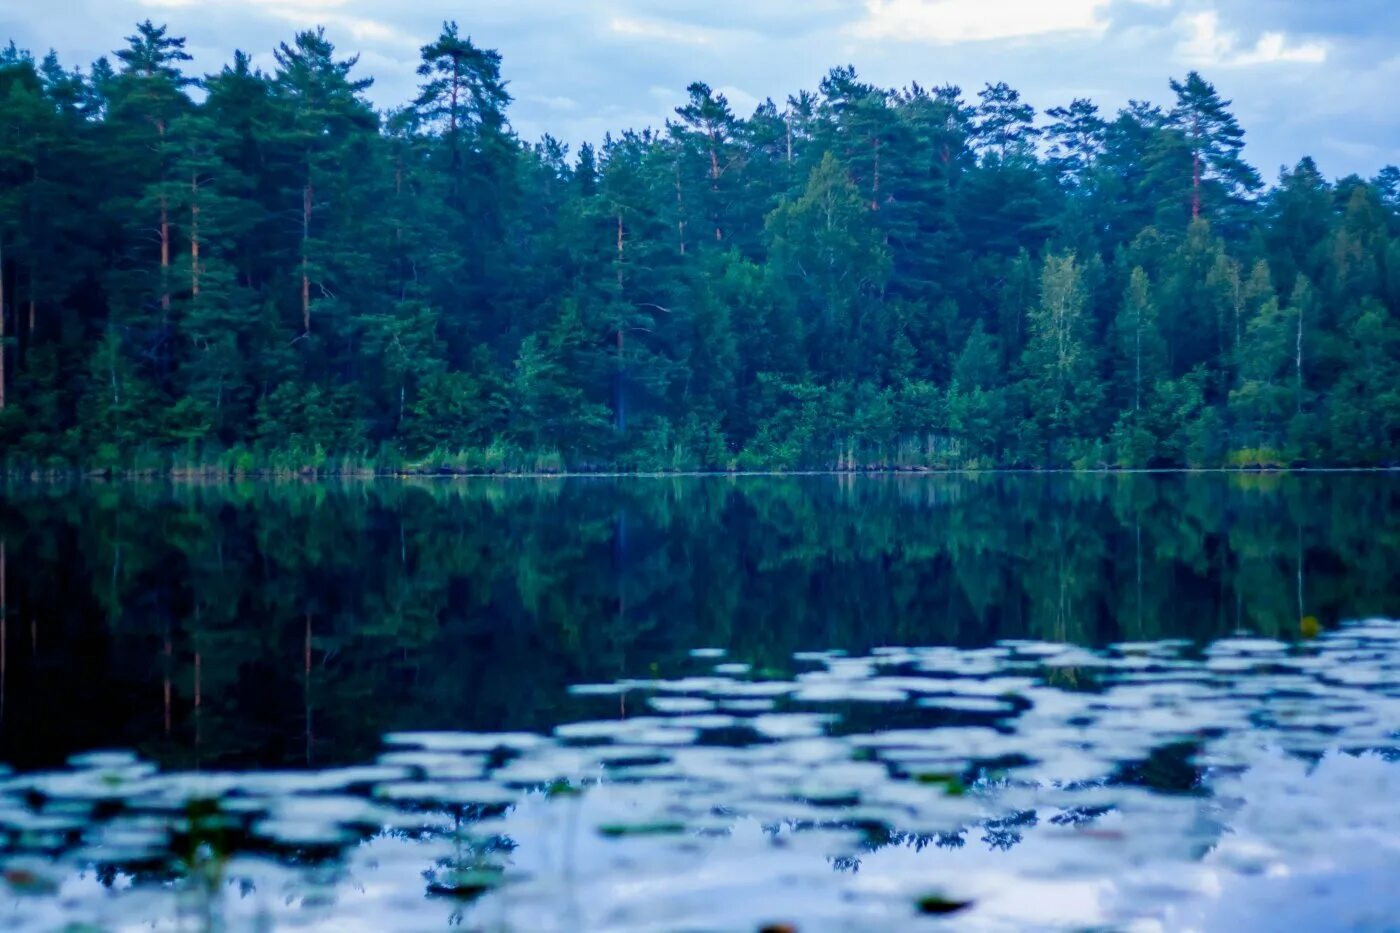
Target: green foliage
{"type": "Point", "coordinates": [268, 274]}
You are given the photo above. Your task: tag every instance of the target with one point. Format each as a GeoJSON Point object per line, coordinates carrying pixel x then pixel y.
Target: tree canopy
{"type": "Point", "coordinates": [258, 270]}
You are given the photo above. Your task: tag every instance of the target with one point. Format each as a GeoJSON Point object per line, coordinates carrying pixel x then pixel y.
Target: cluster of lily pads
{"type": "Point", "coordinates": [1160, 785]}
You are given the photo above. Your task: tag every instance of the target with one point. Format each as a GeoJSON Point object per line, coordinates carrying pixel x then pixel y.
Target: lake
{"type": "Point", "coordinates": [814, 702]}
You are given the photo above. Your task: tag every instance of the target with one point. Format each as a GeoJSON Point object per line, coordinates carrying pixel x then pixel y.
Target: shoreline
{"type": "Point", "coordinates": [191, 476]}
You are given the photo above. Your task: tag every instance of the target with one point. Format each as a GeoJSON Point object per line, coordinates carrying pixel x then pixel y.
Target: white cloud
{"type": "Point", "coordinates": [307, 13]}
{"type": "Point", "coordinates": [681, 33]}
{"type": "Point", "coordinates": [947, 21]}
{"type": "Point", "coordinates": [1207, 44]}
{"type": "Point", "coordinates": [740, 101]}
{"type": "Point", "coordinates": [553, 102]}
{"type": "Point", "coordinates": [304, 14]}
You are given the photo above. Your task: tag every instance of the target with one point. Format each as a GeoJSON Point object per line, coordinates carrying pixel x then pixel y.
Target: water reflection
{"type": "Point", "coordinates": [292, 625]}
{"type": "Point", "coordinates": [1159, 784]}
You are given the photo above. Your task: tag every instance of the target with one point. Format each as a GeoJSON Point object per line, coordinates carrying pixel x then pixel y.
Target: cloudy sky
{"type": "Point", "coordinates": [1307, 76]}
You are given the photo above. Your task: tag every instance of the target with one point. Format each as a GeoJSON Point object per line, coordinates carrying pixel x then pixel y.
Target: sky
{"type": "Point", "coordinates": [1307, 77]}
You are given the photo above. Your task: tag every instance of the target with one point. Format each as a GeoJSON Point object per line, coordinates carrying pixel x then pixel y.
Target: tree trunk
{"type": "Point", "coordinates": [620, 243]}
{"type": "Point", "coordinates": [875, 182]}
{"type": "Point", "coordinates": [1137, 360]}
{"type": "Point", "coordinates": [398, 223]}
{"type": "Point", "coordinates": [1298, 359]}
{"type": "Point", "coordinates": [194, 236]}
{"type": "Point", "coordinates": [306, 194]}
{"type": "Point", "coordinates": [621, 379]}
{"type": "Point", "coordinates": [680, 210]}
{"type": "Point", "coordinates": [714, 186]}
{"type": "Point", "coordinates": [164, 259]}
{"type": "Point", "coordinates": [2, 327]}
{"type": "Point", "coordinates": [1195, 170]}
{"type": "Point", "coordinates": [452, 116]}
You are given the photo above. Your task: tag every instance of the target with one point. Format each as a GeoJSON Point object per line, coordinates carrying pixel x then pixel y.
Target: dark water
{"type": "Point", "coordinates": [894, 635]}
{"type": "Point", "coordinates": [294, 624]}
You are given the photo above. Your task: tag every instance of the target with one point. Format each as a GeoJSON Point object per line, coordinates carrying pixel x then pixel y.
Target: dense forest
{"type": "Point", "coordinates": [257, 270]}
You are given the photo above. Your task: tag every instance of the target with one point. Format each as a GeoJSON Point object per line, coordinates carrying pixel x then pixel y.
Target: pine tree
{"type": "Point", "coordinates": [322, 119]}
{"type": "Point", "coordinates": [147, 97]}
{"type": "Point", "coordinates": [1220, 178]}
{"type": "Point", "coordinates": [1077, 138]}
{"type": "Point", "coordinates": [1005, 123]}
{"type": "Point", "coordinates": [706, 135]}
{"type": "Point", "coordinates": [462, 90]}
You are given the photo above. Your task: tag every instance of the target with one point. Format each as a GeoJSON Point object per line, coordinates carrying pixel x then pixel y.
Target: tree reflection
{"type": "Point", "coordinates": [292, 624]}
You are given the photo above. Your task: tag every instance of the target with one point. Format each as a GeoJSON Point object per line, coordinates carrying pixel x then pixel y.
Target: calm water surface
{"type": "Point", "coordinates": [703, 703]}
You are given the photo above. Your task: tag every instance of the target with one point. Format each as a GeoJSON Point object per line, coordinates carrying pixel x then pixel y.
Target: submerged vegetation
{"type": "Point", "coordinates": [256, 270]}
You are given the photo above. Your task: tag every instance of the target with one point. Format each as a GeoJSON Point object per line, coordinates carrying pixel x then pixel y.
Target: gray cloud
{"type": "Point", "coordinates": [580, 69]}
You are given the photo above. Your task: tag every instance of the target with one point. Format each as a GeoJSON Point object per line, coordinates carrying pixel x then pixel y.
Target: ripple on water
{"type": "Point", "coordinates": [1029, 782]}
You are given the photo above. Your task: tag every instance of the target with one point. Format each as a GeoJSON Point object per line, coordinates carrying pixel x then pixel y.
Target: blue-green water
{"type": "Point", "coordinates": [995, 702]}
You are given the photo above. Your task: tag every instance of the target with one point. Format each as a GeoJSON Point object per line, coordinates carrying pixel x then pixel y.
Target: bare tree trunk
{"type": "Point", "coordinates": [875, 182]}
{"type": "Point", "coordinates": [194, 236]}
{"type": "Point", "coordinates": [1237, 300]}
{"type": "Point", "coordinates": [1195, 187]}
{"type": "Point", "coordinates": [714, 186]}
{"type": "Point", "coordinates": [1137, 360]}
{"type": "Point", "coordinates": [680, 210]}
{"type": "Point", "coordinates": [306, 194]}
{"type": "Point", "coordinates": [621, 380]}
{"type": "Point", "coordinates": [33, 314]}
{"type": "Point", "coordinates": [2, 327]}
{"type": "Point", "coordinates": [452, 115]}
{"type": "Point", "coordinates": [1298, 359]}
{"type": "Point", "coordinates": [164, 259]}
{"type": "Point", "coordinates": [1195, 170]}
{"type": "Point", "coordinates": [164, 234]}
{"type": "Point", "coordinates": [398, 222]}
{"type": "Point", "coordinates": [620, 243]}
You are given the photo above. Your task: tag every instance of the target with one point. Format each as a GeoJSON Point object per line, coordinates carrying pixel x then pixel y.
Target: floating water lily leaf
{"type": "Point", "coordinates": [659, 828]}
{"type": "Point", "coordinates": [937, 905]}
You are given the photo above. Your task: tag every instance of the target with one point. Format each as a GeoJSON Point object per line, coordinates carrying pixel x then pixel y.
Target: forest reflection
{"type": "Point", "coordinates": [293, 624]}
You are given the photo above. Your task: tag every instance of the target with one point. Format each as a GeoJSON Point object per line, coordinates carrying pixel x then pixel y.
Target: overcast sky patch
{"type": "Point", "coordinates": [1305, 76]}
